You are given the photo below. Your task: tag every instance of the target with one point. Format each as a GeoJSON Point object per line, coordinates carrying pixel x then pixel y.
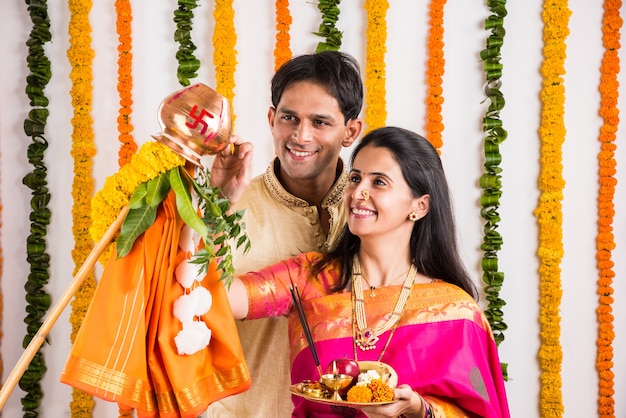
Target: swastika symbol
{"type": "Point", "coordinates": [198, 119]}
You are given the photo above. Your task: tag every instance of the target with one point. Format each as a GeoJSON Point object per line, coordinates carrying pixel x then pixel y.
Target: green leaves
{"type": "Point", "coordinates": [210, 217]}
{"type": "Point", "coordinates": [330, 15]}
{"type": "Point", "coordinates": [37, 298]}
{"type": "Point", "coordinates": [188, 64]}
{"type": "Point", "coordinates": [490, 180]}
{"type": "Point", "coordinates": [136, 223]}
{"type": "Point", "coordinates": [143, 209]}
{"type": "Point", "coordinates": [184, 204]}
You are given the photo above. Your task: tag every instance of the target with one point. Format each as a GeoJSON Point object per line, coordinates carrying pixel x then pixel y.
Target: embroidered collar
{"type": "Point", "coordinates": [334, 195]}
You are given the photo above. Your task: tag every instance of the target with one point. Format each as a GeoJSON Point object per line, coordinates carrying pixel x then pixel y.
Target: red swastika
{"type": "Point", "coordinates": [198, 119]}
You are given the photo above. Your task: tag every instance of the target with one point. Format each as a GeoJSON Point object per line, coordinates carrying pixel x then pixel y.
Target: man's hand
{"type": "Point", "coordinates": [232, 169]}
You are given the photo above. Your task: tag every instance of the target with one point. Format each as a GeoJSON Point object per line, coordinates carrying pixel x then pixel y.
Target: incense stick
{"type": "Point", "coordinates": [295, 295]}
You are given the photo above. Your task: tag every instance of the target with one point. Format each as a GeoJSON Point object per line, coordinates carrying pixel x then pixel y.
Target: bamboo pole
{"type": "Point", "coordinates": [57, 309]}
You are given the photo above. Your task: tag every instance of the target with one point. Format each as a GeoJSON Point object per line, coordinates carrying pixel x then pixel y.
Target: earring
{"type": "Point", "coordinates": [414, 216]}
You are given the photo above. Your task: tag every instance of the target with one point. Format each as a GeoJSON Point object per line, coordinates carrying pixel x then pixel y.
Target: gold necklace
{"type": "Point", "coordinates": [373, 288]}
{"type": "Point", "coordinates": [367, 337]}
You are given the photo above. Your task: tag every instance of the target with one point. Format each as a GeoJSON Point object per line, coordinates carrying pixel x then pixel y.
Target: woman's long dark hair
{"type": "Point", "coordinates": [433, 243]}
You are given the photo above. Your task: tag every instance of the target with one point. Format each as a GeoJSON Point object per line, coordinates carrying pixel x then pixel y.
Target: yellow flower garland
{"type": "Point", "coordinates": [80, 55]}
{"type": "Point", "coordinates": [123, 9]}
{"type": "Point", "coordinates": [549, 215]}
{"type": "Point", "coordinates": [605, 241]}
{"type": "Point", "coordinates": [224, 52]}
{"type": "Point", "coordinates": [434, 75]}
{"type": "Point", "coordinates": [375, 77]}
{"type": "Point", "coordinates": [282, 51]}
{"type": "Point", "coordinates": [152, 159]}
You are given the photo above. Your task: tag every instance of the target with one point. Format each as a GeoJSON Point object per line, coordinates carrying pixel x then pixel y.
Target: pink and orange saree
{"type": "Point", "coordinates": [442, 347]}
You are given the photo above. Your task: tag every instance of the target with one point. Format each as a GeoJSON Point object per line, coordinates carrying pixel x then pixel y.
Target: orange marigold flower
{"type": "Point", "coordinates": [360, 394]}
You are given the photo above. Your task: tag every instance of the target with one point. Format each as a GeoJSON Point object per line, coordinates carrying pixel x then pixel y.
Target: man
{"type": "Point", "coordinates": [295, 206]}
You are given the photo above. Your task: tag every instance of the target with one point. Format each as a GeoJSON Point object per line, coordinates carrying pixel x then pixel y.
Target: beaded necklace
{"type": "Point", "coordinates": [367, 337]}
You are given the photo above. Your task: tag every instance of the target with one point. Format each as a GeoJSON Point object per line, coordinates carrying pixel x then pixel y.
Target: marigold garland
{"type": "Point", "coordinates": [124, 20]}
{"type": "Point", "coordinates": [152, 159]}
{"type": "Point", "coordinates": [282, 50]}
{"type": "Point", "coordinates": [434, 75]}
{"type": "Point", "coordinates": [37, 298]}
{"type": "Point", "coordinates": [549, 209]}
{"type": "Point", "coordinates": [80, 55]}
{"type": "Point", "coordinates": [490, 181]}
{"type": "Point", "coordinates": [375, 77]}
{"type": "Point", "coordinates": [328, 30]}
{"type": "Point", "coordinates": [224, 52]}
{"type": "Point", "coordinates": [605, 240]}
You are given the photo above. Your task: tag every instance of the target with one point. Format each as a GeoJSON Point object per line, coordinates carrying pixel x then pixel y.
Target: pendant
{"type": "Point", "coordinates": [366, 339]}
{"type": "Point", "coordinates": [372, 292]}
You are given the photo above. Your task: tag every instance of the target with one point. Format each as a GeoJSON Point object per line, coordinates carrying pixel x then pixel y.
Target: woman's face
{"type": "Point", "coordinates": [384, 208]}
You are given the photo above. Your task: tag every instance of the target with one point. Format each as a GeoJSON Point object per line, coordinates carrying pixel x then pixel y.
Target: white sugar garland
{"type": "Point", "coordinates": [195, 301]}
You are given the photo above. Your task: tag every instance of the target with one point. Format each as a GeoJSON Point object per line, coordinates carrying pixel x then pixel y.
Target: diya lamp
{"type": "Point", "coordinates": [336, 381]}
{"type": "Point", "coordinates": [195, 122]}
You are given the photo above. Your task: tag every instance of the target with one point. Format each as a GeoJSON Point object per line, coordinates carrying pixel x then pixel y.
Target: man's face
{"type": "Point", "coordinates": [309, 131]}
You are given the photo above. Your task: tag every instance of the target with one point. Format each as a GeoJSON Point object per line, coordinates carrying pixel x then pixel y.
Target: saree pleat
{"type": "Point", "coordinates": [125, 350]}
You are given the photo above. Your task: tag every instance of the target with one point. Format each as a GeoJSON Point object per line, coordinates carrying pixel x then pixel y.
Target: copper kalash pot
{"type": "Point", "coordinates": [195, 122]}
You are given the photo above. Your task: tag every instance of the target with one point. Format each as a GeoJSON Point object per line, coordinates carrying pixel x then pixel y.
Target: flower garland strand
{"type": "Point", "coordinates": [282, 50]}
{"type": "Point", "coordinates": [434, 75]}
{"type": "Point", "coordinates": [80, 56]}
{"type": "Point", "coordinates": [123, 9]}
{"type": "Point", "coordinates": [549, 209]}
{"type": "Point", "coordinates": [375, 77]}
{"type": "Point", "coordinates": [605, 240]}
{"type": "Point", "coordinates": [188, 64]}
{"type": "Point", "coordinates": [224, 52]}
{"type": "Point", "coordinates": [37, 299]}
{"type": "Point", "coordinates": [328, 29]}
{"type": "Point", "coordinates": [490, 181]}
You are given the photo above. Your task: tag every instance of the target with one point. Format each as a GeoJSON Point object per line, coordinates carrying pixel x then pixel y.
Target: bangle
{"type": "Point", "coordinates": [428, 411]}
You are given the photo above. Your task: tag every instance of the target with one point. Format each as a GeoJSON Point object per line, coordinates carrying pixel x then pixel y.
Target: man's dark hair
{"type": "Point", "coordinates": [337, 72]}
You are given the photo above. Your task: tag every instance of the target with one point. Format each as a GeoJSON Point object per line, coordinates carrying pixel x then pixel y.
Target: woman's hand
{"type": "Point", "coordinates": [409, 404]}
{"type": "Point", "coordinates": [232, 169]}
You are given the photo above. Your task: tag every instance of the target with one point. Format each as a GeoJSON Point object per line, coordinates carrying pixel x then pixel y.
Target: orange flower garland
{"type": "Point", "coordinates": [609, 91]}
{"type": "Point", "coordinates": [376, 39]}
{"type": "Point", "coordinates": [224, 52]}
{"type": "Point", "coordinates": [282, 51]}
{"type": "Point", "coordinates": [123, 9]}
{"type": "Point", "coordinates": [80, 55]}
{"type": "Point", "coordinates": [549, 211]}
{"type": "Point", "coordinates": [434, 75]}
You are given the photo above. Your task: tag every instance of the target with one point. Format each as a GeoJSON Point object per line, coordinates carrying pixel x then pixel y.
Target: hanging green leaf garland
{"type": "Point", "coordinates": [188, 64]}
{"type": "Point", "coordinates": [38, 300]}
{"type": "Point", "coordinates": [327, 30]}
{"type": "Point", "coordinates": [490, 181]}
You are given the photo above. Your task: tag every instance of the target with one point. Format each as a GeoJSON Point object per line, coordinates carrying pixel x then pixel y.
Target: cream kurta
{"type": "Point", "coordinates": [280, 226]}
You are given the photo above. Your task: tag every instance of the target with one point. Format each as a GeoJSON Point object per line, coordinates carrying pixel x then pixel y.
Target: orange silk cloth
{"type": "Point", "coordinates": [125, 350]}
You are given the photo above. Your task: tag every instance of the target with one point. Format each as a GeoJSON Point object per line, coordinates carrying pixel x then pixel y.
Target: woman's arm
{"type": "Point", "coordinates": [238, 298]}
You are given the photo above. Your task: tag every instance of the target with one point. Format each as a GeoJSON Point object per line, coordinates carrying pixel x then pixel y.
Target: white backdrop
{"type": "Point", "coordinates": [155, 78]}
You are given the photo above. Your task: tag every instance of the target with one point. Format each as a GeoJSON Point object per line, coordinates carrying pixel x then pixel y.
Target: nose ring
{"type": "Point", "coordinates": [365, 194]}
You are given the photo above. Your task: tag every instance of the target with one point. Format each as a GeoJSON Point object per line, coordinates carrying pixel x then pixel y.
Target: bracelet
{"type": "Point", "coordinates": [428, 411]}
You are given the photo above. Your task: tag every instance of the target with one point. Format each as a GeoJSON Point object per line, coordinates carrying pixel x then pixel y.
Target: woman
{"type": "Point", "coordinates": [394, 290]}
